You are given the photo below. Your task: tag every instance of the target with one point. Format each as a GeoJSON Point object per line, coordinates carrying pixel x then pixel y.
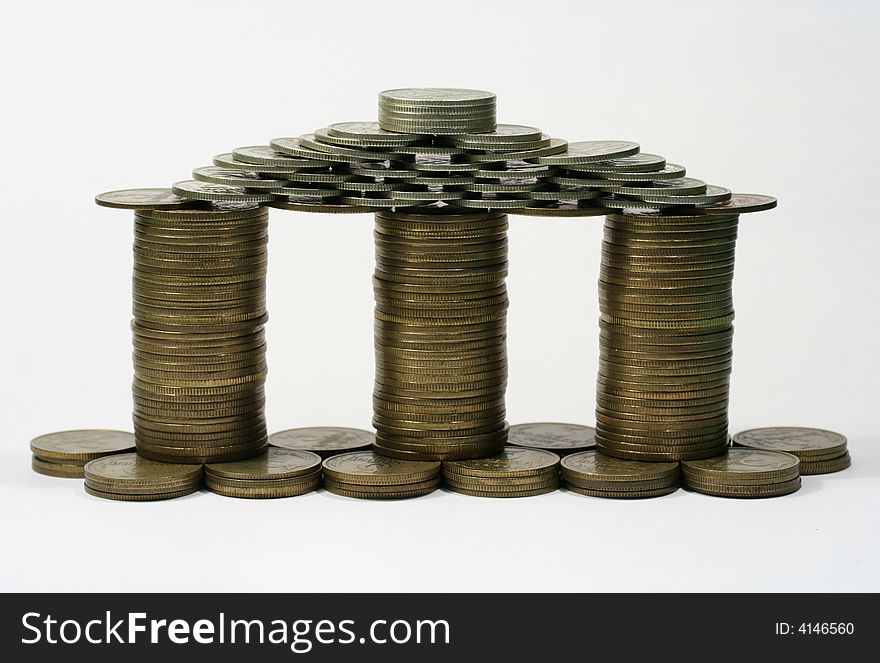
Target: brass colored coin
{"type": "Point", "coordinates": [368, 468]}
{"type": "Point", "coordinates": [253, 492]}
{"type": "Point", "coordinates": [561, 439]}
{"type": "Point", "coordinates": [400, 492]}
{"type": "Point", "coordinates": [593, 465]}
{"type": "Point", "coordinates": [214, 480]}
{"type": "Point", "coordinates": [748, 463]}
{"type": "Point", "coordinates": [198, 456]}
{"type": "Point", "coordinates": [140, 497]}
{"type": "Point", "coordinates": [143, 199]}
{"type": "Point", "coordinates": [81, 444]}
{"type": "Point", "coordinates": [744, 491]}
{"type": "Point", "coordinates": [511, 462]}
{"type": "Point", "coordinates": [274, 464]}
{"type": "Point", "coordinates": [620, 486]}
{"type": "Point", "coordinates": [506, 483]}
{"type": "Point", "coordinates": [61, 470]}
{"type": "Point", "coordinates": [661, 456]}
{"type": "Point", "coordinates": [518, 493]}
{"type": "Point", "coordinates": [450, 453]}
{"type": "Point", "coordinates": [801, 442]}
{"type": "Point", "coordinates": [826, 466]}
{"type": "Point", "coordinates": [740, 480]}
{"type": "Point", "coordinates": [146, 489]}
{"type": "Point", "coordinates": [623, 494]}
{"type": "Point", "coordinates": [325, 441]}
{"type": "Point", "coordinates": [131, 469]}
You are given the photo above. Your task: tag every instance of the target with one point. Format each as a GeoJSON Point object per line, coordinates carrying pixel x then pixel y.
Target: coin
{"type": "Point", "coordinates": [623, 494]}
{"type": "Point", "coordinates": [196, 190]}
{"type": "Point", "coordinates": [745, 491]}
{"type": "Point", "coordinates": [745, 463]}
{"type": "Point", "coordinates": [589, 466]}
{"type": "Point", "coordinates": [591, 150]}
{"type": "Point", "coordinates": [57, 469]}
{"type": "Point", "coordinates": [158, 198]}
{"type": "Point", "coordinates": [826, 466]}
{"type": "Point", "coordinates": [394, 492]}
{"type": "Point", "coordinates": [274, 464]}
{"type": "Point", "coordinates": [141, 497]}
{"type": "Point", "coordinates": [510, 462]}
{"type": "Point", "coordinates": [257, 492]}
{"type": "Point", "coordinates": [510, 493]}
{"type": "Point", "coordinates": [325, 441]}
{"type": "Point", "coordinates": [122, 470]}
{"type": "Point", "coordinates": [804, 443]}
{"type": "Point", "coordinates": [742, 203]}
{"type": "Point", "coordinates": [81, 445]}
{"type": "Point", "coordinates": [561, 439]}
{"type": "Point", "coordinates": [369, 468]}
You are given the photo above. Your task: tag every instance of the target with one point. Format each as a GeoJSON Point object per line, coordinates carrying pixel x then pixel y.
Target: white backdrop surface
{"type": "Point", "coordinates": [765, 97]}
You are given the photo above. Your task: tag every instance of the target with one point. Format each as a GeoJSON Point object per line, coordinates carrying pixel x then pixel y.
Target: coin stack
{"type": "Point", "coordinates": [133, 478]}
{"type": "Point", "coordinates": [819, 451]}
{"type": "Point", "coordinates": [437, 111]}
{"type": "Point", "coordinates": [368, 475]}
{"type": "Point", "coordinates": [515, 472]}
{"type": "Point", "coordinates": [666, 334]}
{"type": "Point", "coordinates": [743, 473]}
{"type": "Point", "coordinates": [64, 454]}
{"type": "Point", "coordinates": [440, 324]}
{"type": "Point", "coordinates": [276, 473]}
{"type": "Point", "coordinates": [199, 292]}
{"type": "Point", "coordinates": [597, 475]}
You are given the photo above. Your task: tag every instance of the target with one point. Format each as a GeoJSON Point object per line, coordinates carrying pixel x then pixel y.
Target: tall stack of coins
{"type": "Point", "coordinates": [665, 345]}
{"type": "Point", "coordinates": [440, 324]}
{"type": "Point", "coordinates": [199, 292]}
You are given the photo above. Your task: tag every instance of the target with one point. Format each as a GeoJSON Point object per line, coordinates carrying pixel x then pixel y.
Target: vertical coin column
{"type": "Point", "coordinates": [199, 291]}
{"type": "Point", "coordinates": [666, 335]}
{"type": "Point", "coordinates": [440, 335]}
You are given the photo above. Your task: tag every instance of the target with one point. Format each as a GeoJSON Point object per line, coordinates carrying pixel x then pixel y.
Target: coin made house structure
{"type": "Point", "coordinates": [441, 175]}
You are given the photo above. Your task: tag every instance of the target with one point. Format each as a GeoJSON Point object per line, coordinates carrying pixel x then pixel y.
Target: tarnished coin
{"type": "Point", "coordinates": [274, 464]}
{"type": "Point", "coordinates": [746, 490]}
{"type": "Point", "coordinates": [81, 445]}
{"type": "Point", "coordinates": [561, 439]}
{"type": "Point", "coordinates": [591, 150]}
{"type": "Point", "coordinates": [595, 466]}
{"type": "Point", "coordinates": [369, 468]}
{"type": "Point", "coordinates": [436, 96]}
{"type": "Point", "coordinates": [220, 192]}
{"type": "Point", "coordinates": [826, 466]}
{"type": "Point", "coordinates": [742, 203]}
{"type": "Point", "coordinates": [805, 443]}
{"type": "Point", "coordinates": [56, 469]}
{"type": "Point", "coordinates": [741, 462]}
{"type": "Point", "coordinates": [264, 492]}
{"type": "Point", "coordinates": [504, 137]}
{"type": "Point", "coordinates": [511, 462]}
{"type": "Point", "coordinates": [624, 494]}
{"type": "Point", "coordinates": [141, 497]}
{"type": "Point", "coordinates": [527, 492]}
{"type": "Point", "coordinates": [159, 198]}
{"type": "Point", "coordinates": [248, 179]}
{"type": "Point", "coordinates": [325, 441]}
{"type": "Point", "coordinates": [131, 469]}
{"type": "Point", "coordinates": [388, 492]}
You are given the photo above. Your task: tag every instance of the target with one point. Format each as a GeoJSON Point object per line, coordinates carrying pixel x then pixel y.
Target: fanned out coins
{"type": "Point", "coordinates": [597, 475]}
{"type": "Point", "coordinates": [199, 292]}
{"type": "Point", "coordinates": [666, 335]}
{"type": "Point", "coordinates": [132, 478]}
{"type": "Point", "coordinates": [561, 439]}
{"type": "Point", "coordinates": [64, 454]}
{"type": "Point", "coordinates": [325, 441]}
{"type": "Point", "coordinates": [368, 475]}
{"type": "Point", "coordinates": [514, 472]}
{"type": "Point", "coordinates": [276, 473]}
{"type": "Point", "coordinates": [819, 451]}
{"type": "Point", "coordinates": [440, 335]}
{"type": "Point", "coordinates": [743, 473]}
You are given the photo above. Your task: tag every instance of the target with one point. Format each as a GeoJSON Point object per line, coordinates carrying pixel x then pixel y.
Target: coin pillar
{"type": "Point", "coordinates": [666, 335]}
{"type": "Point", "coordinates": [199, 300]}
{"type": "Point", "coordinates": [440, 335]}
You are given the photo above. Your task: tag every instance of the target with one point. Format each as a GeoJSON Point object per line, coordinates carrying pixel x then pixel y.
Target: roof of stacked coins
{"type": "Point", "coordinates": [441, 149]}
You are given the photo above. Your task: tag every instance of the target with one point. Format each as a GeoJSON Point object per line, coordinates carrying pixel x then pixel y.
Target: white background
{"type": "Point", "coordinates": [764, 97]}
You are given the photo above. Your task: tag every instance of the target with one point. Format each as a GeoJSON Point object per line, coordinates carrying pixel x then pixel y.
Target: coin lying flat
{"type": "Point", "coordinates": [274, 464]}
{"type": "Point", "coordinates": [826, 466]}
{"type": "Point", "coordinates": [369, 468]}
{"type": "Point", "coordinates": [588, 151]}
{"type": "Point", "coordinates": [57, 469]}
{"type": "Point", "coordinates": [131, 469]}
{"type": "Point", "coordinates": [141, 497]}
{"type": "Point", "coordinates": [158, 198]}
{"type": "Point", "coordinates": [81, 445]}
{"type": "Point", "coordinates": [325, 441]}
{"type": "Point", "coordinates": [801, 442]}
{"type": "Point", "coordinates": [741, 463]}
{"type": "Point", "coordinates": [561, 439]}
{"type": "Point", "coordinates": [510, 462]}
{"type": "Point", "coordinates": [593, 466]}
